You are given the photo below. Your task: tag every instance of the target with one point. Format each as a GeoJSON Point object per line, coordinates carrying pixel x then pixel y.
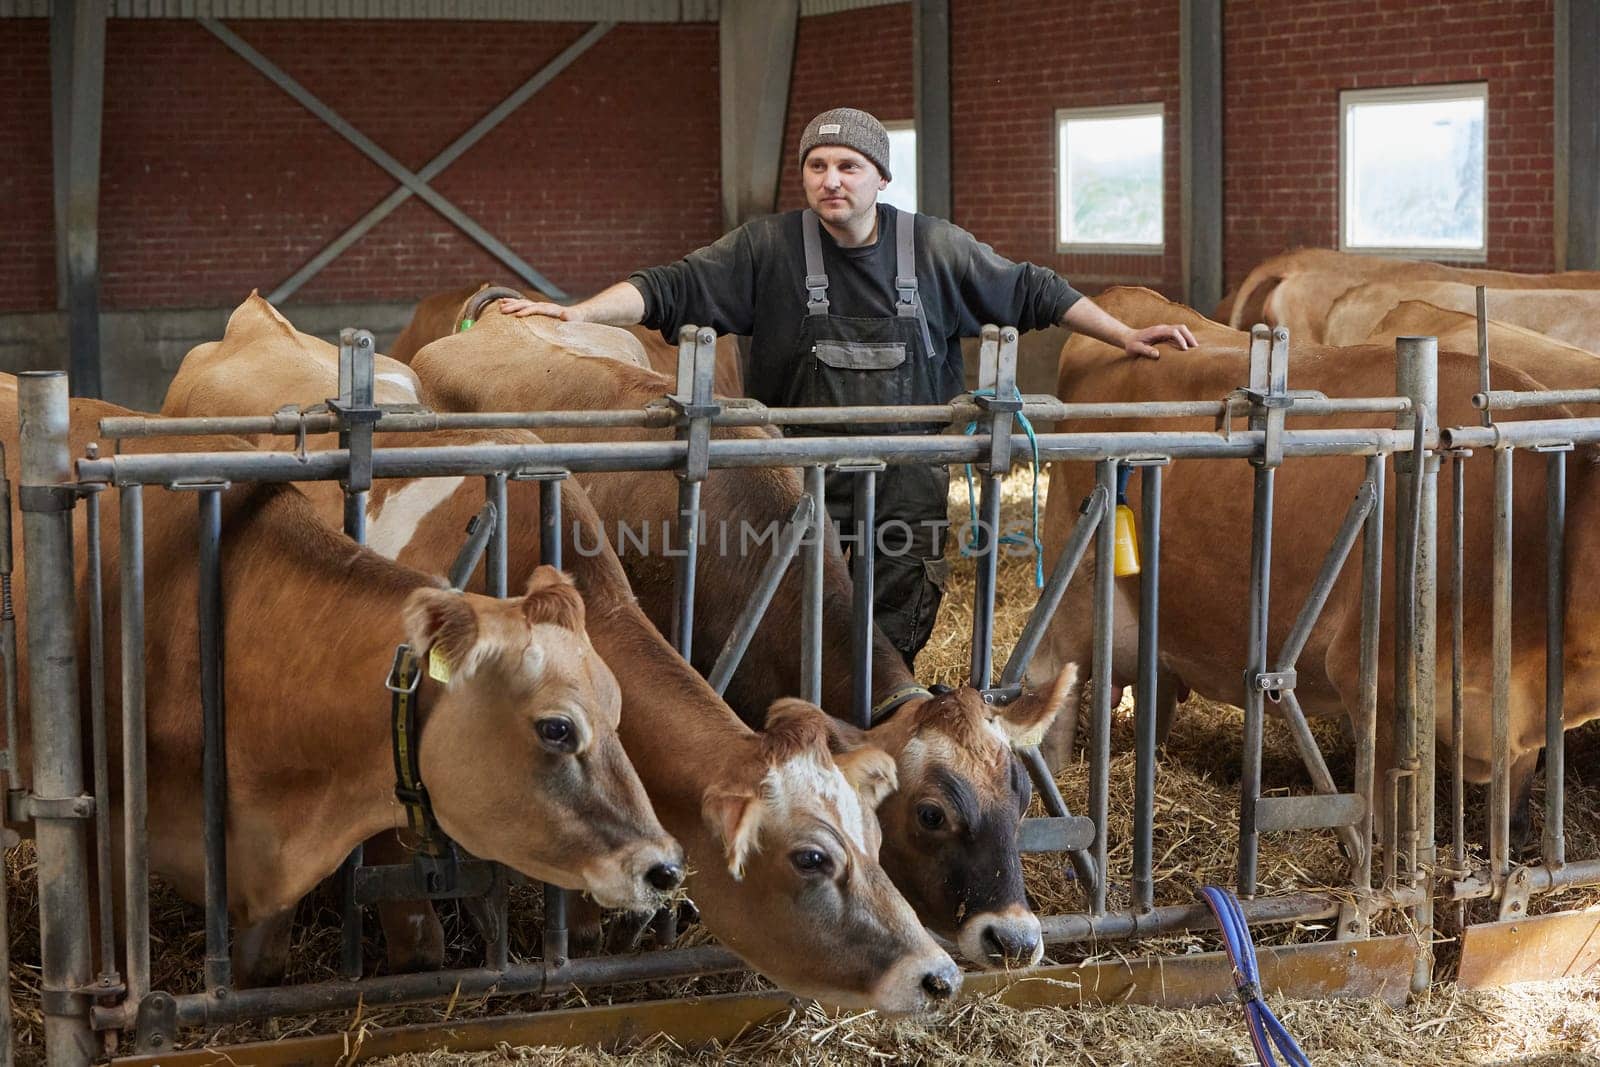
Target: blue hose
{"type": "Point", "coordinates": [1266, 1032]}
{"type": "Point", "coordinates": [971, 547]}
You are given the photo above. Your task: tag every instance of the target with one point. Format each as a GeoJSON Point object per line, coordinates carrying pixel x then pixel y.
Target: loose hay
{"type": "Point", "coordinates": [1196, 817]}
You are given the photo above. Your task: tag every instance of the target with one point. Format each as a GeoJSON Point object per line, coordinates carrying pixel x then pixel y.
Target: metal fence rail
{"type": "Point", "coordinates": [49, 488]}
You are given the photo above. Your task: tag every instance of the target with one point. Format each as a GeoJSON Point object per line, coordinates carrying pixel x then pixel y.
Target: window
{"type": "Point", "coordinates": [1412, 172]}
{"type": "Point", "coordinates": [902, 191]}
{"type": "Point", "coordinates": [1108, 168]}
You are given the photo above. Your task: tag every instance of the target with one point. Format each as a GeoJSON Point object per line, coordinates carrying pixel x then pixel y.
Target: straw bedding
{"type": "Point", "coordinates": [1196, 814]}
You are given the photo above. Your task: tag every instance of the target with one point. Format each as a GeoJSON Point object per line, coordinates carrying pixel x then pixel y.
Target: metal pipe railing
{"type": "Point", "coordinates": [736, 413]}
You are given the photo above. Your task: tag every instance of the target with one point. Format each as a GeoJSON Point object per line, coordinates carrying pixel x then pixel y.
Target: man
{"type": "Point", "coordinates": [851, 302]}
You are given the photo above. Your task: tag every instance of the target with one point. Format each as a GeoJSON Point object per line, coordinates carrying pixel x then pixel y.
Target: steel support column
{"type": "Point", "coordinates": [1577, 126]}
{"type": "Point", "coordinates": [77, 61]}
{"type": "Point", "coordinates": [1200, 151]}
{"type": "Point", "coordinates": [930, 79]}
{"type": "Point", "coordinates": [756, 50]}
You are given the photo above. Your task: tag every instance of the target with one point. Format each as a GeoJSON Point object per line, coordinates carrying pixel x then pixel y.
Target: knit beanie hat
{"type": "Point", "coordinates": [850, 128]}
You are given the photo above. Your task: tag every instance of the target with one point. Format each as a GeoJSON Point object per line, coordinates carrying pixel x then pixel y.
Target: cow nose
{"type": "Point", "coordinates": [664, 876]}
{"type": "Point", "coordinates": [1008, 944]}
{"type": "Point", "coordinates": [941, 983]}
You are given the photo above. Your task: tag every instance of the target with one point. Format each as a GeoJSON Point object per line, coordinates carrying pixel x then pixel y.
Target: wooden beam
{"type": "Point", "coordinates": [1200, 151]}
{"type": "Point", "coordinates": [756, 51]}
{"type": "Point", "coordinates": [930, 30]}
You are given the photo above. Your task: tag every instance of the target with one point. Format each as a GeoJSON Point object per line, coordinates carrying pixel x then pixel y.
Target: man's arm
{"type": "Point", "coordinates": [618, 305]}
{"type": "Point", "coordinates": [1086, 317]}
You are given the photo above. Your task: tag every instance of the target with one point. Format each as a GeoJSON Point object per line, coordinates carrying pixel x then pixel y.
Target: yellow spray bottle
{"type": "Point", "coordinates": [1125, 560]}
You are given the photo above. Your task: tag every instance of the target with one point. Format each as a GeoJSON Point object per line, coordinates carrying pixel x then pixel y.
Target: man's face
{"type": "Point", "coordinates": [841, 184]}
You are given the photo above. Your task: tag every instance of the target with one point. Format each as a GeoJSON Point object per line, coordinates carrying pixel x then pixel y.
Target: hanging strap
{"type": "Point", "coordinates": [816, 277]}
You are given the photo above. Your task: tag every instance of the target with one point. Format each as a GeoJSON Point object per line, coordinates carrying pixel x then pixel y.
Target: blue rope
{"type": "Point", "coordinates": [971, 547]}
{"type": "Point", "coordinates": [1266, 1032]}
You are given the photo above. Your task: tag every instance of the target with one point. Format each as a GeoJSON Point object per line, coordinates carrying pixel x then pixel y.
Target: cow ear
{"type": "Point", "coordinates": [440, 619]}
{"type": "Point", "coordinates": [552, 598]}
{"type": "Point", "coordinates": [735, 817]}
{"type": "Point", "coordinates": [871, 772]}
{"type": "Point", "coordinates": [1025, 720]}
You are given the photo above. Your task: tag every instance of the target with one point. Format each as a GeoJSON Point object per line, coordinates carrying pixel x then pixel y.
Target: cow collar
{"type": "Point", "coordinates": [895, 700]}
{"type": "Point", "coordinates": [435, 856]}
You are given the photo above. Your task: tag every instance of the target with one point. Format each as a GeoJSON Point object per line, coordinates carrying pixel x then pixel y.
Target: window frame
{"type": "Point", "coordinates": [916, 177]}
{"type": "Point", "coordinates": [1063, 115]}
{"type": "Point", "coordinates": [1411, 94]}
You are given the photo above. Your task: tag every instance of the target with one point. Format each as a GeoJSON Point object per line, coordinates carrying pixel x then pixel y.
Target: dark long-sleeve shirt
{"type": "Point", "coordinates": [752, 282]}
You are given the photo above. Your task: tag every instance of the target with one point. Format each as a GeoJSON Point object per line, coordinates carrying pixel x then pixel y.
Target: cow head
{"type": "Point", "coordinates": [950, 831]}
{"type": "Point", "coordinates": [798, 835]}
{"type": "Point", "coordinates": [520, 751]}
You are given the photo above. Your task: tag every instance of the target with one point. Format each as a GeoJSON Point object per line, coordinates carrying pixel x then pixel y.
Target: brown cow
{"type": "Point", "coordinates": [1557, 365]}
{"type": "Point", "coordinates": [1206, 539]}
{"type": "Point", "coordinates": [777, 825]}
{"type": "Point", "coordinates": [1297, 288]}
{"type": "Point", "coordinates": [950, 832]}
{"type": "Point", "coordinates": [519, 748]}
{"type": "Point", "coordinates": [438, 315]}
{"type": "Point", "coordinates": [1565, 315]}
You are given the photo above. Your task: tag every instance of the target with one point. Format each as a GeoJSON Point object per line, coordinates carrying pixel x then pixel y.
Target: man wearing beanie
{"type": "Point", "coordinates": [853, 302]}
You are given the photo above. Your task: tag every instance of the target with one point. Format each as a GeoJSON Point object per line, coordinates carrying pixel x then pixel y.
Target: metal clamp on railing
{"type": "Point", "coordinates": [48, 498]}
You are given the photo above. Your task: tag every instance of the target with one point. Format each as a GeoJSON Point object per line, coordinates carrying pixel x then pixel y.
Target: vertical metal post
{"type": "Point", "coordinates": [135, 776]}
{"type": "Point", "coordinates": [494, 560]}
{"type": "Point", "coordinates": [1417, 376]}
{"type": "Point", "coordinates": [987, 571]}
{"type": "Point", "coordinates": [43, 414]}
{"type": "Point", "coordinates": [104, 876]}
{"type": "Point", "coordinates": [1500, 716]}
{"type": "Point", "coordinates": [811, 602]}
{"type": "Point", "coordinates": [1144, 772]}
{"type": "Point", "coordinates": [1268, 368]}
{"type": "Point", "coordinates": [695, 404]}
{"type": "Point", "coordinates": [555, 898]}
{"type": "Point", "coordinates": [13, 777]}
{"type": "Point", "coordinates": [863, 558]}
{"type": "Point", "coordinates": [214, 767]}
{"type": "Point", "coordinates": [1458, 727]}
{"type": "Point", "coordinates": [1254, 697]}
{"type": "Point", "coordinates": [1371, 618]}
{"type": "Point", "coordinates": [1555, 738]}
{"type": "Point", "coordinates": [1000, 345]}
{"type": "Point", "coordinates": [354, 407]}
{"type": "Point", "coordinates": [1104, 624]}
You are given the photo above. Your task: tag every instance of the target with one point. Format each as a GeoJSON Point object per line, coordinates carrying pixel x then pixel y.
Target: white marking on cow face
{"type": "Point", "coordinates": [805, 776]}
{"type": "Point", "coordinates": [401, 382]}
{"type": "Point", "coordinates": [399, 514]}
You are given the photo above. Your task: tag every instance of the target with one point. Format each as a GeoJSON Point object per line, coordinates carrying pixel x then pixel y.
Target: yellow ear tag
{"type": "Point", "coordinates": [438, 666]}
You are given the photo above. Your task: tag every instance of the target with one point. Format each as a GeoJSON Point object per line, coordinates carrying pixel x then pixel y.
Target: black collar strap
{"type": "Point", "coordinates": [892, 703]}
{"type": "Point", "coordinates": [435, 855]}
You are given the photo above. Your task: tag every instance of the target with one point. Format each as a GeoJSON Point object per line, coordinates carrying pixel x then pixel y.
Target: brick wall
{"type": "Point", "coordinates": [1284, 71]}
{"type": "Point", "coordinates": [216, 181]}
{"type": "Point", "coordinates": [27, 202]}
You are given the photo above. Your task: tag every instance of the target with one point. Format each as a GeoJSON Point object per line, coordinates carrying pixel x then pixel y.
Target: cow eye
{"type": "Point", "coordinates": [812, 862]}
{"type": "Point", "coordinates": [558, 733]}
{"type": "Point", "coordinates": [931, 816]}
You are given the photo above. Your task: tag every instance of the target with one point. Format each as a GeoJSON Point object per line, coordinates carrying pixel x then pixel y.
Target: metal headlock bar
{"type": "Point", "coordinates": [75, 1007]}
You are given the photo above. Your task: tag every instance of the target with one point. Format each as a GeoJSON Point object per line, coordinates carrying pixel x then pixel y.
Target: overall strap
{"type": "Point", "coordinates": [816, 276]}
{"type": "Point", "coordinates": [905, 264]}
{"type": "Point", "coordinates": [907, 304]}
